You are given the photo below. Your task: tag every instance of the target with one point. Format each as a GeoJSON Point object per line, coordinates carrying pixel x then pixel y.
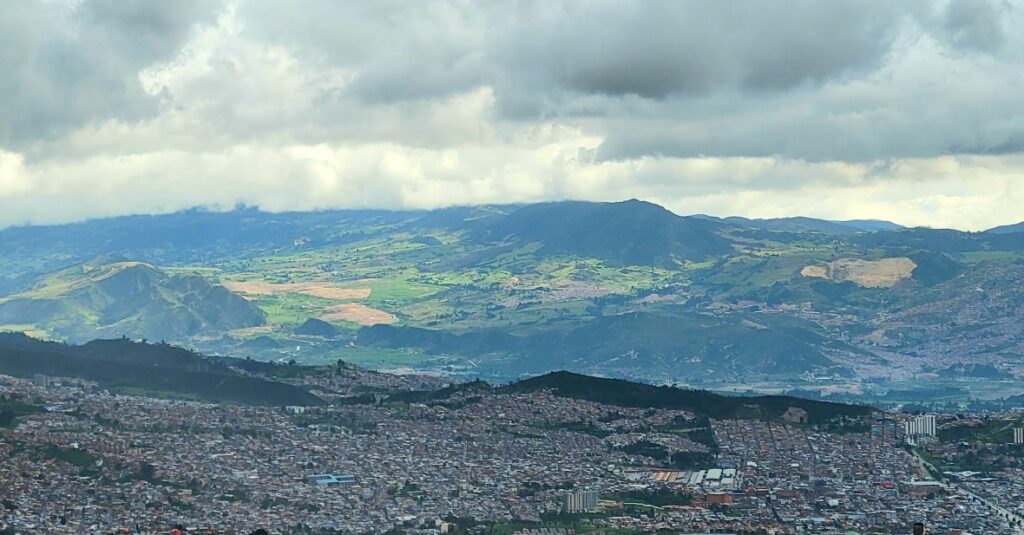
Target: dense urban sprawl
{"type": "Point", "coordinates": [94, 461]}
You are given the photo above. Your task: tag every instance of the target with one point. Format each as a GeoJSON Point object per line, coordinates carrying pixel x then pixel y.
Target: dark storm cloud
{"type": "Point", "coordinates": [839, 80]}
{"type": "Point", "coordinates": [401, 50]}
{"type": "Point", "coordinates": [975, 25]}
{"type": "Point", "coordinates": [543, 49]}
{"type": "Point", "coordinates": [110, 106]}
{"type": "Point", "coordinates": [69, 65]}
{"type": "Point", "coordinates": [819, 81]}
{"type": "Point", "coordinates": [139, 31]}
{"type": "Point", "coordinates": [654, 50]}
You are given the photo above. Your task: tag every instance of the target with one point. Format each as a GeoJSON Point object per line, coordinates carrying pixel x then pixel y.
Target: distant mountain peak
{"type": "Point", "coordinates": [629, 232]}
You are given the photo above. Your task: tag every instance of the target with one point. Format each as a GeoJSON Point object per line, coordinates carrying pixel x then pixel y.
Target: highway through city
{"type": "Point", "coordinates": [1016, 521]}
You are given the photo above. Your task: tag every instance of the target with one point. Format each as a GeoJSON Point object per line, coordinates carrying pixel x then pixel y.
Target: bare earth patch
{"type": "Point", "coordinates": [356, 313]}
{"type": "Point", "coordinates": [338, 293]}
{"type": "Point", "coordinates": [251, 331]}
{"type": "Point", "coordinates": [884, 273]}
{"type": "Point", "coordinates": [326, 290]}
{"type": "Point", "coordinates": [572, 290]}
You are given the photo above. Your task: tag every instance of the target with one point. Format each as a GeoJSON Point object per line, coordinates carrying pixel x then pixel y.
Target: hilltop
{"type": "Point", "coordinates": [630, 394]}
{"type": "Point", "coordinates": [153, 369]}
{"type": "Point", "coordinates": [320, 328]}
{"type": "Point", "coordinates": [624, 393]}
{"type": "Point", "coordinates": [629, 233]}
{"type": "Point", "coordinates": [809, 224]}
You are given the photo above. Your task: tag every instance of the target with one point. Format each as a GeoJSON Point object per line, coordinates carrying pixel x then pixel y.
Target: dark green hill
{"type": "Point", "coordinates": [629, 394]}
{"type": "Point", "coordinates": [794, 224]}
{"type": "Point", "coordinates": [688, 343]}
{"type": "Point", "coordinates": [623, 233]}
{"type": "Point", "coordinates": [1006, 229]}
{"type": "Point", "coordinates": [133, 367]}
{"type": "Point", "coordinates": [975, 371]}
{"type": "Point", "coordinates": [934, 268]}
{"type": "Point", "coordinates": [941, 240]}
{"type": "Point", "coordinates": [808, 224]}
{"type": "Point", "coordinates": [870, 225]}
{"type": "Point", "coordinates": [315, 327]}
{"type": "Point", "coordinates": [191, 236]}
{"type": "Point", "coordinates": [678, 345]}
{"type": "Point", "coordinates": [12, 409]}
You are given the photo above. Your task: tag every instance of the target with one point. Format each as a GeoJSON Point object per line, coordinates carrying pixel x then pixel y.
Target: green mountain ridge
{"type": "Point", "coordinates": [128, 298]}
{"type": "Point", "coordinates": [631, 394]}
{"type": "Point", "coordinates": [625, 289]}
{"type": "Point", "coordinates": [628, 233]}
{"type": "Point", "coordinates": [154, 369]}
{"type": "Point", "coordinates": [141, 368]}
{"type": "Point", "coordinates": [809, 224]}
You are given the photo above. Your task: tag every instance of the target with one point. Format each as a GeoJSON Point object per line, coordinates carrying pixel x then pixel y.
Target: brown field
{"type": "Point", "coordinates": [338, 293]}
{"type": "Point", "coordinates": [251, 331]}
{"type": "Point", "coordinates": [884, 273]}
{"type": "Point", "coordinates": [356, 313]}
{"type": "Point", "coordinates": [326, 290]}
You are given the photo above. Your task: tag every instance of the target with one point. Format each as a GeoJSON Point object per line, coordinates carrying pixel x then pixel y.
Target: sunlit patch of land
{"type": "Point", "coordinates": [251, 331]}
{"type": "Point", "coordinates": [884, 273]}
{"type": "Point", "coordinates": [70, 279]}
{"type": "Point", "coordinates": [356, 313]}
{"type": "Point", "coordinates": [326, 290]}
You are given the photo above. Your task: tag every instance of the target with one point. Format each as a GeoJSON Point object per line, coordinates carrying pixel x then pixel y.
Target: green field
{"type": "Point", "coordinates": [624, 289]}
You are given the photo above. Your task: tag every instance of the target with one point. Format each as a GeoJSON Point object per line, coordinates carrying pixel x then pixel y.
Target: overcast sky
{"type": "Point", "coordinates": [907, 111]}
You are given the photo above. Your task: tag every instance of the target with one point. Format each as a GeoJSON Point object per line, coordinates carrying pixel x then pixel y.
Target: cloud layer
{"type": "Point", "coordinates": [908, 111]}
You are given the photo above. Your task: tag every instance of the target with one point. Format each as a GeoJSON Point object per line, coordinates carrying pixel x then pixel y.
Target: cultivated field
{"type": "Point", "coordinates": [326, 290]}
{"type": "Point", "coordinates": [356, 313]}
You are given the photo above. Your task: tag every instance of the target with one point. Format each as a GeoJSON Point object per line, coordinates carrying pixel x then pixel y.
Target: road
{"type": "Point", "coordinates": [1015, 520]}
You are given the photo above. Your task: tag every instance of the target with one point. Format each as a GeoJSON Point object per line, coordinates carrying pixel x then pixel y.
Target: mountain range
{"type": "Point", "coordinates": [125, 366]}
{"type": "Point", "coordinates": [625, 289]}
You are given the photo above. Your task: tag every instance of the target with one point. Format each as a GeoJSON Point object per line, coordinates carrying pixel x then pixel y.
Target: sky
{"type": "Point", "coordinates": [907, 111]}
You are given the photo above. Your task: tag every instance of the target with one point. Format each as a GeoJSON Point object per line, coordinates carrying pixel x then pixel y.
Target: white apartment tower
{"type": "Point", "coordinates": [920, 426]}
{"type": "Point", "coordinates": [580, 501]}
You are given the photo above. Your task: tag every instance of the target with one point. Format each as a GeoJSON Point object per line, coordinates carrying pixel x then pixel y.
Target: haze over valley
{"type": "Point", "coordinates": [624, 289]}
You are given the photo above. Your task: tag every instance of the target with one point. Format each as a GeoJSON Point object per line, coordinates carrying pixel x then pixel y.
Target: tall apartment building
{"type": "Point", "coordinates": [580, 501]}
{"type": "Point", "coordinates": [920, 426]}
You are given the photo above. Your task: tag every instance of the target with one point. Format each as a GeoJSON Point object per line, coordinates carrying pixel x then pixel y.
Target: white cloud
{"type": "Point", "coordinates": [13, 180]}
{"type": "Point", "coordinates": [910, 111]}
